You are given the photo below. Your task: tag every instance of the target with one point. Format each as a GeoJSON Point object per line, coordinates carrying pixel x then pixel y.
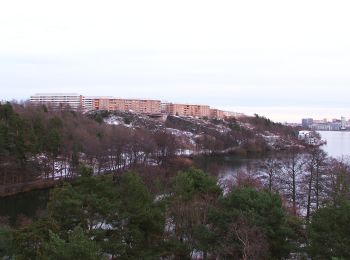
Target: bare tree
{"type": "Point", "coordinates": [252, 240]}
{"type": "Point", "coordinates": [338, 181]}
{"type": "Point", "coordinates": [166, 146]}
{"type": "Point", "coordinates": [271, 170]}
{"type": "Point", "coordinates": [315, 162]}
{"type": "Point", "coordinates": [292, 169]}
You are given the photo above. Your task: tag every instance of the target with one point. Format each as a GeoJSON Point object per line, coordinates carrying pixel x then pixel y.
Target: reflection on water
{"type": "Point", "coordinates": [25, 204]}
{"type": "Point", "coordinates": [222, 166]}
{"type": "Point", "coordinates": [338, 143]}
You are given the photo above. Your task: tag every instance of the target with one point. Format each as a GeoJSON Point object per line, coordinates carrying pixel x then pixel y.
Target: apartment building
{"type": "Point", "coordinates": [164, 107]}
{"type": "Point", "coordinates": [187, 110]}
{"type": "Point", "coordinates": [149, 106]}
{"type": "Point", "coordinates": [306, 122]}
{"type": "Point", "coordinates": [102, 104]}
{"type": "Point", "coordinates": [59, 100]}
{"type": "Point", "coordinates": [89, 102]}
{"type": "Point", "coordinates": [216, 114]}
{"type": "Point", "coordinates": [142, 106]}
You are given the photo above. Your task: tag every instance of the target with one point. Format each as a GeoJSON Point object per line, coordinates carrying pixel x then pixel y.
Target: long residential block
{"type": "Point", "coordinates": [57, 100]}
{"type": "Point", "coordinates": [142, 106]}
{"type": "Point", "coordinates": [188, 110]}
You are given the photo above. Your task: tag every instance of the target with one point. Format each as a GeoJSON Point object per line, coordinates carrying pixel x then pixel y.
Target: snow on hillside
{"type": "Point", "coordinates": [115, 120]}
{"type": "Point", "coordinates": [189, 130]}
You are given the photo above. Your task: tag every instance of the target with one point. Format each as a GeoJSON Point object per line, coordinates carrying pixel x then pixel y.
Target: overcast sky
{"type": "Point", "coordinates": [282, 59]}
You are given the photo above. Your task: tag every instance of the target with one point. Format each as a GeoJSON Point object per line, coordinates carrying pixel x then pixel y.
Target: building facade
{"type": "Point", "coordinates": [89, 102]}
{"type": "Point", "coordinates": [187, 110]}
{"type": "Point", "coordinates": [307, 122]}
{"type": "Point", "coordinates": [55, 101]}
{"type": "Point", "coordinates": [142, 106]}
{"type": "Point", "coordinates": [216, 114]}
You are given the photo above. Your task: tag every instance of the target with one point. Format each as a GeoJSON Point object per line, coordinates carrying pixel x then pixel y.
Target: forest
{"type": "Point", "coordinates": [124, 192]}
{"type": "Point", "coordinates": [37, 143]}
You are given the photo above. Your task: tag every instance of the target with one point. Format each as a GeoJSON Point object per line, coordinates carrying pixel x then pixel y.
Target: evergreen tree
{"type": "Point", "coordinates": [329, 232]}
{"type": "Point", "coordinates": [78, 247]}
{"type": "Point", "coordinates": [194, 193]}
{"type": "Point", "coordinates": [122, 217]}
{"type": "Point", "coordinates": [249, 223]}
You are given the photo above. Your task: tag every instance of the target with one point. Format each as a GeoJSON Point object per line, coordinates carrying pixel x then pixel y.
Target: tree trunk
{"type": "Point", "coordinates": [308, 209]}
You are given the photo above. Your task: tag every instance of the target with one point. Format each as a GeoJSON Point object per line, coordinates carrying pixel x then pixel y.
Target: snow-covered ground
{"type": "Point", "coordinates": [116, 120]}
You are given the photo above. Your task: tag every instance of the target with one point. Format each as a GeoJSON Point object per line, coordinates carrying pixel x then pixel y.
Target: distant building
{"type": "Point", "coordinates": [188, 110]}
{"type": "Point", "coordinates": [142, 106]}
{"type": "Point", "coordinates": [304, 134]}
{"type": "Point", "coordinates": [55, 101]}
{"type": "Point", "coordinates": [216, 113]}
{"type": "Point", "coordinates": [330, 126]}
{"type": "Point", "coordinates": [164, 107]}
{"type": "Point", "coordinates": [307, 122]}
{"type": "Point", "coordinates": [89, 102]}
{"type": "Point", "coordinates": [324, 125]}
{"type": "Point", "coordinates": [322, 121]}
{"type": "Point", "coordinates": [309, 137]}
{"type": "Point", "coordinates": [343, 123]}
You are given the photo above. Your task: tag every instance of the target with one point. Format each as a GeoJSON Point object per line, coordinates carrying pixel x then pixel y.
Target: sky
{"type": "Point", "coordinates": [282, 59]}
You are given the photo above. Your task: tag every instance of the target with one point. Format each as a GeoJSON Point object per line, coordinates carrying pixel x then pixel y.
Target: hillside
{"type": "Point", "coordinates": [244, 135]}
{"type": "Point", "coordinates": [41, 145]}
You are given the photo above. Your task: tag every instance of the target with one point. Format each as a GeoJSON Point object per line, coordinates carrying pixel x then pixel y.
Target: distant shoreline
{"type": "Point", "coordinates": [347, 130]}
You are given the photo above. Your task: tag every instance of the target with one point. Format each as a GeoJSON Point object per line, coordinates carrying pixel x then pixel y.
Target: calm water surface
{"type": "Point", "coordinates": [338, 143]}
{"type": "Point", "coordinates": [221, 166]}
{"type": "Point", "coordinates": [24, 204]}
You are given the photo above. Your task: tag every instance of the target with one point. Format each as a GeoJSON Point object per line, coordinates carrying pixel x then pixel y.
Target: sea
{"type": "Point", "coordinates": [338, 143]}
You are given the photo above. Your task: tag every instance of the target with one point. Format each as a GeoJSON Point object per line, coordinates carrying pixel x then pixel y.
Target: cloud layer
{"type": "Point", "coordinates": [228, 54]}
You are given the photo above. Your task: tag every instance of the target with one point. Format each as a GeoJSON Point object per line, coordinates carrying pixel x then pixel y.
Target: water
{"type": "Point", "coordinates": [338, 143]}
{"type": "Point", "coordinates": [24, 204]}
{"type": "Point", "coordinates": [226, 167]}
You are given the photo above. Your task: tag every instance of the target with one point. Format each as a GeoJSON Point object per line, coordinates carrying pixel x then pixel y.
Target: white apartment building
{"type": "Point", "coordinates": [74, 101]}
